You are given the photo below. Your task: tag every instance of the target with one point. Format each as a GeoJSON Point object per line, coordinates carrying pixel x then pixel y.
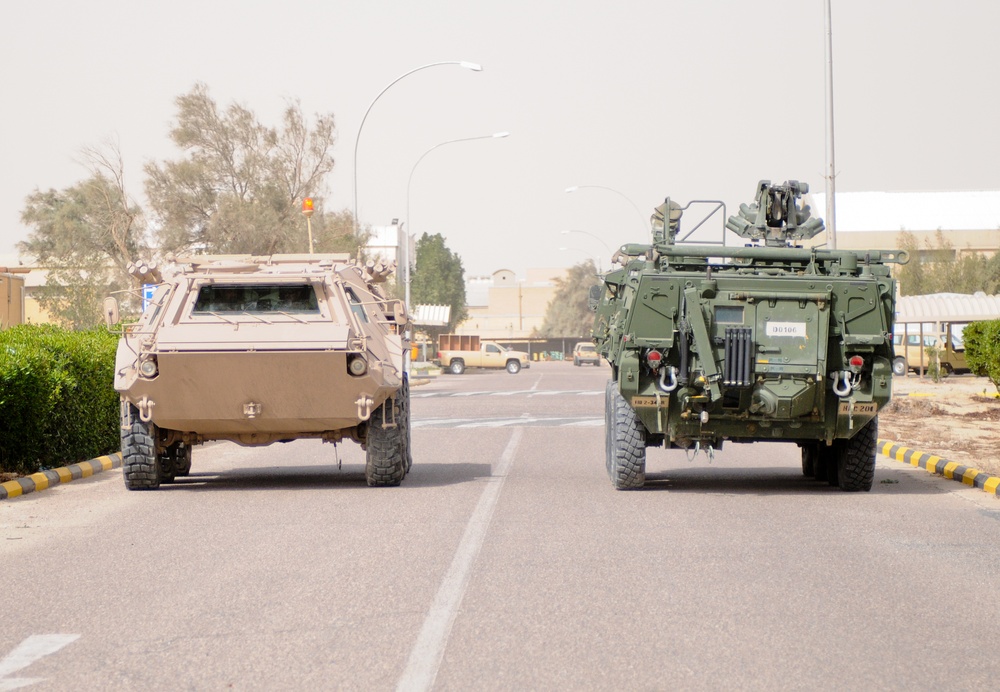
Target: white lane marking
{"type": "Point", "coordinates": [425, 658]}
{"type": "Point", "coordinates": [514, 392]}
{"type": "Point", "coordinates": [524, 420]}
{"type": "Point", "coordinates": [27, 652]}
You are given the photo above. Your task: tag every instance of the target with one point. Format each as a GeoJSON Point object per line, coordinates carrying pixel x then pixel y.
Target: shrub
{"type": "Point", "coordinates": [57, 401]}
{"type": "Point", "coordinates": [933, 363]}
{"type": "Point", "coordinates": [982, 349]}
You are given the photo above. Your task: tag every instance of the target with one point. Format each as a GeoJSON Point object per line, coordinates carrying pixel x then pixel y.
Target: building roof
{"type": "Point", "coordinates": [971, 210]}
{"type": "Point", "coordinates": [431, 315]}
{"type": "Point", "coordinates": [948, 307]}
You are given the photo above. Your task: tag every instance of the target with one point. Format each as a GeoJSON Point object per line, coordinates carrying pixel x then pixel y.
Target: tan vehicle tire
{"type": "Point", "coordinates": [174, 462]}
{"type": "Point", "coordinates": [404, 419]}
{"type": "Point", "coordinates": [182, 459]}
{"type": "Point", "coordinates": [387, 449]}
{"type": "Point", "coordinates": [457, 366]}
{"type": "Point", "coordinates": [513, 366]}
{"type": "Point", "coordinates": [140, 465]}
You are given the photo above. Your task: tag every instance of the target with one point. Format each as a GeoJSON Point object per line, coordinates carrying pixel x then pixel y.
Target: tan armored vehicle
{"type": "Point", "coordinates": [259, 350]}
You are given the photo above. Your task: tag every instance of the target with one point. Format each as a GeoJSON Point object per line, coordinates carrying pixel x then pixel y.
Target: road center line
{"type": "Point", "coordinates": [425, 658]}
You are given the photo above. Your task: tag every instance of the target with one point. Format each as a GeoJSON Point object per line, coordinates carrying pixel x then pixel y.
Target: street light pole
{"type": "Point", "coordinates": [642, 219]}
{"type": "Point", "coordinates": [831, 185]}
{"type": "Point", "coordinates": [461, 63]}
{"type": "Point", "coordinates": [406, 235]}
{"type": "Point", "coordinates": [307, 211]}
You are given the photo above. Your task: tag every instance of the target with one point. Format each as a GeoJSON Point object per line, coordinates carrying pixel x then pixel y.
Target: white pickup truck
{"type": "Point", "coordinates": [456, 352]}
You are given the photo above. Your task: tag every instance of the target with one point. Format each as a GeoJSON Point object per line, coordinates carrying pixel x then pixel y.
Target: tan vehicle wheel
{"type": "Point", "coordinates": [387, 443]}
{"type": "Point", "coordinates": [140, 465]}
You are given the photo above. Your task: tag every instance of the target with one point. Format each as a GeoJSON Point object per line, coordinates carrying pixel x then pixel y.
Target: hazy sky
{"type": "Point", "coordinates": [651, 98]}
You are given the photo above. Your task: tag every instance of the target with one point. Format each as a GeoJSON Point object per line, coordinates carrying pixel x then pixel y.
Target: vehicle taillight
{"type": "Point", "coordinates": [654, 358]}
{"type": "Point", "coordinates": [856, 361]}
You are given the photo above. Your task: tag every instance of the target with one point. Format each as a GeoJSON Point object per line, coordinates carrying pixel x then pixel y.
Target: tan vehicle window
{"type": "Point", "coordinates": [356, 307]}
{"type": "Point", "coordinates": [257, 298]}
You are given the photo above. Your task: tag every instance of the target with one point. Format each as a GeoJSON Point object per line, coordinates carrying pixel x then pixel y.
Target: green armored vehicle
{"type": "Point", "coordinates": [768, 342]}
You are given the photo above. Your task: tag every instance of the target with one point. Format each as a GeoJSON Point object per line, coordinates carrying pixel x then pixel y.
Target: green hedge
{"type": "Point", "coordinates": [58, 405]}
{"type": "Point", "coordinates": [982, 349]}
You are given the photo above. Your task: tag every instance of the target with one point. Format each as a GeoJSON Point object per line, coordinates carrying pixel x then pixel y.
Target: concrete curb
{"type": "Point", "coordinates": [64, 474]}
{"type": "Point", "coordinates": [942, 467]}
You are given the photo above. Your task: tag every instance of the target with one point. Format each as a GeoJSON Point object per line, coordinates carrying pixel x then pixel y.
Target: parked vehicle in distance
{"type": "Point", "coordinates": [586, 352]}
{"type": "Point", "coordinates": [911, 356]}
{"type": "Point", "coordinates": [262, 349]}
{"type": "Point", "coordinates": [456, 352]}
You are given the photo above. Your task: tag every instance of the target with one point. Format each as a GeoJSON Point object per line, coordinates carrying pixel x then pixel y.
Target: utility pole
{"type": "Point", "coordinates": [831, 184]}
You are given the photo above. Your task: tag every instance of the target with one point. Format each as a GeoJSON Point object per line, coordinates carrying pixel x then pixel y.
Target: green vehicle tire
{"type": "Point", "coordinates": [626, 443]}
{"type": "Point", "coordinates": [856, 461]}
{"type": "Point", "coordinates": [809, 454]}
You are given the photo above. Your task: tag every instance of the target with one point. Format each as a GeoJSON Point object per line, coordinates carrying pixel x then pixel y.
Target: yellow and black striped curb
{"type": "Point", "coordinates": [64, 474]}
{"type": "Point", "coordinates": [940, 466]}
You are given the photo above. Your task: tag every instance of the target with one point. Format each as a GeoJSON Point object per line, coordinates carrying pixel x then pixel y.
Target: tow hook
{"type": "Point", "coordinates": [842, 383]}
{"type": "Point", "coordinates": [145, 407]}
{"type": "Point", "coordinates": [364, 405]}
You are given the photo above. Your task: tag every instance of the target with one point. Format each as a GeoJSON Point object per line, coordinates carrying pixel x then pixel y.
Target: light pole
{"type": "Point", "coordinates": [307, 211]}
{"type": "Point", "coordinates": [831, 172]}
{"type": "Point", "coordinates": [642, 219]}
{"type": "Point", "coordinates": [461, 63]}
{"type": "Point", "coordinates": [406, 234]}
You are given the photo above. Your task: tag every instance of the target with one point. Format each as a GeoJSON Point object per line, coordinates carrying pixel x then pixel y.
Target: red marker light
{"type": "Point", "coordinates": [653, 358]}
{"type": "Point", "coordinates": [856, 361]}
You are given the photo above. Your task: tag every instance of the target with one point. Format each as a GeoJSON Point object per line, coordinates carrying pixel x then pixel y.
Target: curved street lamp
{"type": "Point", "coordinates": [461, 63]}
{"type": "Point", "coordinates": [645, 224]}
{"type": "Point", "coordinates": [406, 234]}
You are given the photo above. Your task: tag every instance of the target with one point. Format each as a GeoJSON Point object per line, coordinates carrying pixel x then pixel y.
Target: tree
{"type": "Point", "coordinates": [240, 187]}
{"type": "Point", "coordinates": [568, 313]}
{"type": "Point", "coordinates": [85, 236]}
{"type": "Point", "coordinates": [438, 278]}
{"type": "Point", "coordinates": [936, 269]}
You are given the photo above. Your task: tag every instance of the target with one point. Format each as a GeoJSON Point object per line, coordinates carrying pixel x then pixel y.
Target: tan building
{"type": "Point", "coordinates": [27, 280]}
{"type": "Point", "coordinates": [11, 297]}
{"type": "Point", "coordinates": [502, 306]}
{"type": "Point", "coordinates": [968, 220]}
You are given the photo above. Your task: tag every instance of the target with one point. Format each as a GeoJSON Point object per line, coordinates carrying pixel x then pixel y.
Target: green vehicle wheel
{"type": "Point", "coordinates": [856, 459]}
{"type": "Point", "coordinates": [626, 442]}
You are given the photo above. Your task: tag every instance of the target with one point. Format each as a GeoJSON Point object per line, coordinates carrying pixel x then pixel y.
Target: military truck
{"type": "Point", "coordinates": [768, 342]}
{"type": "Point", "coordinates": [262, 349]}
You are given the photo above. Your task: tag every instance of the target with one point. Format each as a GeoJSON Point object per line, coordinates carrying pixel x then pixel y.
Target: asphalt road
{"type": "Point", "coordinates": [505, 561]}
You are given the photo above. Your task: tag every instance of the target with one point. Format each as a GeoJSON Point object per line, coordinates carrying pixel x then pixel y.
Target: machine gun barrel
{"type": "Point", "coordinates": [780, 254]}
